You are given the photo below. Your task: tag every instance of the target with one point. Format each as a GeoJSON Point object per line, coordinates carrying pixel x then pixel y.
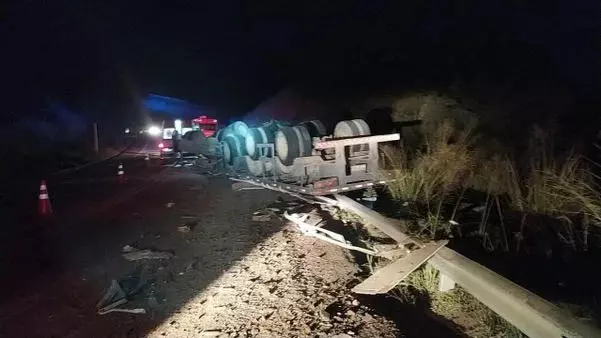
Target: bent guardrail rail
{"type": "Point", "coordinates": [533, 315]}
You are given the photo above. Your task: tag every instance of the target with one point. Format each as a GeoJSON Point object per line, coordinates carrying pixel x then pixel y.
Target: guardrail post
{"type": "Point", "coordinates": [445, 283]}
{"type": "Point", "coordinates": [95, 136]}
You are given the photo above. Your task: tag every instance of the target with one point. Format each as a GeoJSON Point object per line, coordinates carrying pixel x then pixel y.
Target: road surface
{"type": "Point", "coordinates": [227, 275]}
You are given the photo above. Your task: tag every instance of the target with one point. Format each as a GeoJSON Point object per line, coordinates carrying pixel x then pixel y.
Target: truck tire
{"type": "Point", "coordinates": [287, 145]}
{"type": "Point", "coordinates": [316, 128]}
{"type": "Point", "coordinates": [353, 128]}
{"type": "Point", "coordinates": [219, 135]}
{"type": "Point", "coordinates": [305, 148]}
{"type": "Point", "coordinates": [257, 136]}
{"type": "Point", "coordinates": [239, 128]}
{"type": "Point", "coordinates": [233, 146]}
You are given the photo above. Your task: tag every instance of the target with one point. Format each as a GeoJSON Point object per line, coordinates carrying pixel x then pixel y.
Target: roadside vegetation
{"type": "Point", "coordinates": [475, 318]}
{"type": "Point", "coordinates": [447, 165]}
{"type": "Point", "coordinates": [522, 199]}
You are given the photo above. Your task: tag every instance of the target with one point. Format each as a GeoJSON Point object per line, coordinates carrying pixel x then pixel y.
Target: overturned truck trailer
{"type": "Point", "coordinates": [304, 158]}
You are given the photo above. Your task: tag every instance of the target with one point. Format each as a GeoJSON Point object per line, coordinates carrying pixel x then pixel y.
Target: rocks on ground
{"type": "Point", "coordinates": [287, 286]}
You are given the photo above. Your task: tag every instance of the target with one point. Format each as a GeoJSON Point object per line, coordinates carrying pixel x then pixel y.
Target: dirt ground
{"type": "Point", "coordinates": [287, 286]}
{"type": "Point", "coordinates": [262, 278]}
{"type": "Point", "coordinates": [226, 274]}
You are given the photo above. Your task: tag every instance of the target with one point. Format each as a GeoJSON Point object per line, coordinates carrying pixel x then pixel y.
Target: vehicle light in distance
{"type": "Point", "coordinates": [154, 130]}
{"type": "Point", "coordinates": [127, 130]}
{"type": "Point", "coordinates": [161, 145]}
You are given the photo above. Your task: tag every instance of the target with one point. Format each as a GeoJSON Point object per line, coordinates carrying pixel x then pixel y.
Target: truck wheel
{"type": "Point", "coordinates": [287, 145]}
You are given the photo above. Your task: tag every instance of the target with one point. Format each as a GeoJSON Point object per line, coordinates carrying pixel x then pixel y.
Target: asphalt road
{"type": "Point", "coordinates": [91, 209]}
{"type": "Point", "coordinates": [55, 269]}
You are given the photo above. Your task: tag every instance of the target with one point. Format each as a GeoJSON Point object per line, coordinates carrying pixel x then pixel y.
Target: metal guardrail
{"type": "Point", "coordinates": [533, 315]}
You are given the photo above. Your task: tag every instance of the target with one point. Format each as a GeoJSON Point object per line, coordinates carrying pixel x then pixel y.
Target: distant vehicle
{"type": "Point", "coordinates": [195, 142]}
{"type": "Point", "coordinates": [202, 126]}
{"type": "Point", "coordinates": [207, 125]}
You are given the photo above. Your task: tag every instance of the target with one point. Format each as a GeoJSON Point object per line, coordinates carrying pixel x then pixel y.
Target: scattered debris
{"type": "Point", "coordinates": [135, 311]}
{"type": "Point", "coordinates": [210, 333]}
{"type": "Point", "coordinates": [184, 228]}
{"type": "Point", "coordinates": [133, 254]}
{"type": "Point", "coordinates": [343, 335]}
{"type": "Point", "coordinates": [169, 205]}
{"type": "Point", "coordinates": [479, 208]}
{"type": "Point", "coordinates": [188, 226]}
{"type": "Point", "coordinates": [128, 248]}
{"type": "Point", "coordinates": [261, 217]}
{"type": "Point", "coordinates": [113, 297]}
{"type": "Point", "coordinates": [282, 288]}
{"type": "Point", "coordinates": [192, 265]}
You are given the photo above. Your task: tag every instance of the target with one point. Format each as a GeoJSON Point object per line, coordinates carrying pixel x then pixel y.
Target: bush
{"type": "Point", "coordinates": [431, 109]}
{"type": "Point", "coordinates": [428, 175]}
{"type": "Point", "coordinates": [450, 157]}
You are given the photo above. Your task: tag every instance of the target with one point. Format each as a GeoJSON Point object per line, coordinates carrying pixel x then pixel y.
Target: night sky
{"type": "Point", "coordinates": [99, 57]}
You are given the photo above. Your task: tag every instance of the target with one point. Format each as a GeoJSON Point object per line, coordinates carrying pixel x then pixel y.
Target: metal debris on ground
{"type": "Point", "coordinates": [274, 210]}
{"type": "Point", "coordinates": [114, 297]}
{"type": "Point", "coordinates": [133, 254]}
{"type": "Point", "coordinates": [309, 224]}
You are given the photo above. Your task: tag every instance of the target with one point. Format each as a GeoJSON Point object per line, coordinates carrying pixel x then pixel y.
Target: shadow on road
{"type": "Point", "coordinates": [56, 271]}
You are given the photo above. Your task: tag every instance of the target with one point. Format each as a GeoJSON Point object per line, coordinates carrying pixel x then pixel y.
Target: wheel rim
{"type": "Point", "coordinates": [281, 145]}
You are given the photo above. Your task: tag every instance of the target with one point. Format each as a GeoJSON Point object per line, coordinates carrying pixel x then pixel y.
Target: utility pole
{"type": "Point", "coordinates": [95, 132]}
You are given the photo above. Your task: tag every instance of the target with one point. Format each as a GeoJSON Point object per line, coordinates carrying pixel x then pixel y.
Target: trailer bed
{"type": "Point", "coordinates": [272, 184]}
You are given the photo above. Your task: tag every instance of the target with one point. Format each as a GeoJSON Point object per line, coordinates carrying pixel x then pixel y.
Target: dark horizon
{"type": "Point", "coordinates": [100, 58]}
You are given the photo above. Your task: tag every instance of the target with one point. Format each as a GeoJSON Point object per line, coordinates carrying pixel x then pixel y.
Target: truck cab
{"type": "Point", "coordinates": [207, 125]}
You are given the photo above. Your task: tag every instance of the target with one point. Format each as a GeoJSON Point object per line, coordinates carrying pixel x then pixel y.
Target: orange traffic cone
{"type": "Point", "coordinates": [120, 173]}
{"type": "Point", "coordinates": [44, 206]}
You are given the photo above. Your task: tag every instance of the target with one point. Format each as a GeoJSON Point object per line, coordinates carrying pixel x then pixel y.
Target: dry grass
{"type": "Point", "coordinates": [456, 305]}
{"type": "Point", "coordinates": [432, 175]}
{"type": "Point", "coordinates": [429, 175]}
{"type": "Point", "coordinates": [431, 109]}
{"type": "Point", "coordinates": [450, 158]}
{"type": "Point", "coordinates": [560, 188]}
